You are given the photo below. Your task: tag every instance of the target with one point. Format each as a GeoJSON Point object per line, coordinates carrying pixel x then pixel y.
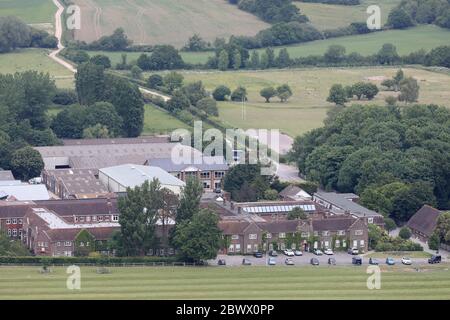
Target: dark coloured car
{"type": "Point", "coordinates": [246, 262]}
{"type": "Point", "coordinates": [273, 253]}
{"type": "Point", "coordinates": [218, 190]}
{"type": "Point", "coordinates": [332, 261]}
{"type": "Point", "coordinates": [258, 254]}
{"type": "Point", "coordinates": [357, 261]}
{"type": "Point", "coordinates": [435, 259]}
{"type": "Point", "coordinates": [373, 261]}
{"type": "Point", "coordinates": [314, 261]}
{"type": "Point", "coordinates": [222, 262]}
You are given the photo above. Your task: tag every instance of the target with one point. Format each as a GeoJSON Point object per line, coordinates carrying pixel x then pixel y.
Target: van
{"type": "Point", "coordinates": [435, 259]}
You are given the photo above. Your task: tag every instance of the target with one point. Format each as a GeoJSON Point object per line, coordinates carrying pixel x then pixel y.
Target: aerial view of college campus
{"type": "Point", "coordinates": [224, 150]}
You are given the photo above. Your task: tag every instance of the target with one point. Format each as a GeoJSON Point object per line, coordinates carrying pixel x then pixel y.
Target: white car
{"type": "Point", "coordinates": [289, 253]}
{"type": "Point", "coordinates": [328, 252]}
{"type": "Point", "coordinates": [406, 261]}
{"type": "Point", "coordinates": [298, 253]}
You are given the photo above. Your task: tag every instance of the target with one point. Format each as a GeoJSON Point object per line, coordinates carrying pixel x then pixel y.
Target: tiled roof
{"type": "Point", "coordinates": [332, 224]}
{"type": "Point", "coordinates": [290, 191]}
{"type": "Point", "coordinates": [81, 207]}
{"type": "Point", "coordinates": [424, 220]}
{"type": "Point", "coordinates": [233, 227]}
{"type": "Point", "coordinates": [289, 226]}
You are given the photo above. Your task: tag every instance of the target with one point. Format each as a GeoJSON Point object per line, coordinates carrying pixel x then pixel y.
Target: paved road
{"type": "Point", "coordinates": [341, 260]}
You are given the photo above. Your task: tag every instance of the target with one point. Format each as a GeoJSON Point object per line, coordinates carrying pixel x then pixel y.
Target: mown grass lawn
{"type": "Point", "coordinates": [307, 108]}
{"type": "Point", "coordinates": [36, 59]}
{"type": "Point", "coordinates": [431, 282]}
{"type": "Point", "coordinates": [409, 254]}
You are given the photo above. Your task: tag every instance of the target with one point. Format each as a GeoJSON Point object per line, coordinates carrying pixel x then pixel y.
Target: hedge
{"type": "Point", "coordinates": [86, 260]}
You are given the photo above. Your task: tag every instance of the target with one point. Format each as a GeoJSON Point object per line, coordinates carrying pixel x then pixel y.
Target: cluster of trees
{"type": "Point", "coordinates": [197, 44]}
{"type": "Point", "coordinates": [340, 94]}
{"type": "Point", "coordinates": [272, 11]}
{"type": "Point", "coordinates": [411, 12]}
{"type": "Point", "coordinates": [396, 159]}
{"type": "Point", "coordinates": [117, 41]}
{"type": "Point", "coordinates": [340, 2]}
{"type": "Point", "coordinates": [246, 184]}
{"type": "Point", "coordinates": [163, 57]}
{"type": "Point", "coordinates": [283, 92]}
{"type": "Point", "coordinates": [441, 234]}
{"type": "Point", "coordinates": [379, 240]}
{"type": "Point", "coordinates": [16, 34]}
{"type": "Point", "coordinates": [409, 88]}
{"type": "Point", "coordinates": [24, 101]}
{"type": "Point", "coordinates": [196, 236]}
{"type": "Point", "coordinates": [9, 248]}
{"type": "Point", "coordinates": [94, 85]}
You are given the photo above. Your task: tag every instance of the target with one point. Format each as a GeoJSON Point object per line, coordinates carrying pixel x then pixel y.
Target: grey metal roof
{"type": "Point", "coordinates": [6, 175]}
{"type": "Point", "coordinates": [130, 175]}
{"type": "Point", "coordinates": [206, 164]}
{"type": "Point", "coordinates": [279, 208]}
{"type": "Point", "coordinates": [342, 201]}
{"type": "Point", "coordinates": [26, 192]}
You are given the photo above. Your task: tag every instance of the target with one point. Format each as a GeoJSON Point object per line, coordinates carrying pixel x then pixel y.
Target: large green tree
{"type": "Point", "coordinates": [90, 83]}
{"type": "Point", "coordinates": [190, 199]}
{"type": "Point", "coordinates": [26, 163]}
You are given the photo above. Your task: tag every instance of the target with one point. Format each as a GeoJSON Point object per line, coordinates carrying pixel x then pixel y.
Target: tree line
{"type": "Point", "coordinates": [396, 159]}
{"type": "Point", "coordinates": [411, 12]}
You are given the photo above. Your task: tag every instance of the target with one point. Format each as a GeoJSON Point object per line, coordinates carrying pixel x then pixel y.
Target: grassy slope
{"type": "Point", "coordinates": [325, 16]}
{"type": "Point", "coordinates": [227, 283]}
{"type": "Point", "coordinates": [307, 108]}
{"type": "Point", "coordinates": [30, 11]}
{"type": "Point", "coordinates": [166, 21]}
{"type": "Point", "coordinates": [35, 59]}
{"type": "Point", "coordinates": [157, 121]}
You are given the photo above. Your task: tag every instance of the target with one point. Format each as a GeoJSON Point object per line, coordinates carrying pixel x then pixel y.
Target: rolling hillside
{"type": "Point", "coordinates": [165, 21]}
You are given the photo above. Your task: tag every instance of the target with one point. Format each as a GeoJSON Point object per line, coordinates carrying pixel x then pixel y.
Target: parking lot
{"type": "Point", "coordinates": [340, 257]}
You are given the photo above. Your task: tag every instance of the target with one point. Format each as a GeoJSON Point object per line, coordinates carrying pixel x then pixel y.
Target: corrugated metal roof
{"type": "Point", "coordinates": [6, 175]}
{"type": "Point", "coordinates": [279, 208]}
{"type": "Point", "coordinates": [26, 192]}
{"type": "Point", "coordinates": [204, 164]}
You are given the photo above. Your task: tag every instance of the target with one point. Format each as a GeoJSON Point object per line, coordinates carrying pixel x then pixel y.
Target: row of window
{"type": "Point", "coordinates": [203, 175]}
{"type": "Point", "coordinates": [282, 235]}
{"type": "Point", "coordinates": [115, 218]}
{"type": "Point", "coordinates": [14, 232]}
{"type": "Point", "coordinates": [14, 221]}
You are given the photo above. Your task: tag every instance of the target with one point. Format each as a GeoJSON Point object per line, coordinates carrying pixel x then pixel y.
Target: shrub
{"type": "Point", "coordinates": [405, 233]}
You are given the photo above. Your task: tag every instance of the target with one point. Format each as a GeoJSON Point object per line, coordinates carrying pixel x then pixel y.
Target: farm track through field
{"type": "Point", "coordinates": [139, 22]}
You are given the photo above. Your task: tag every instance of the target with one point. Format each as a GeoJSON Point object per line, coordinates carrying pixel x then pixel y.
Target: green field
{"type": "Point", "coordinates": [326, 16]}
{"type": "Point", "coordinates": [157, 121]}
{"type": "Point", "coordinates": [409, 254]}
{"type": "Point", "coordinates": [30, 11]}
{"type": "Point", "coordinates": [308, 107]}
{"type": "Point", "coordinates": [35, 59]}
{"type": "Point", "coordinates": [227, 283]}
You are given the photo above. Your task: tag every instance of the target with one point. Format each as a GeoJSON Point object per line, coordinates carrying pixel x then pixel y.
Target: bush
{"type": "Point", "coordinates": [65, 97]}
{"type": "Point", "coordinates": [405, 233]}
{"type": "Point", "coordinates": [221, 93]}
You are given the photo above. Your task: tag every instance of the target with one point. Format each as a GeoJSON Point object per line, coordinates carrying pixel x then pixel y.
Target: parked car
{"type": "Point", "coordinates": [353, 251]}
{"type": "Point", "coordinates": [257, 254]}
{"type": "Point", "coordinates": [332, 261]}
{"type": "Point", "coordinates": [373, 261]}
{"type": "Point", "coordinates": [298, 253]}
{"type": "Point", "coordinates": [435, 259]}
{"type": "Point", "coordinates": [246, 262]}
{"type": "Point", "coordinates": [406, 261]}
{"type": "Point", "coordinates": [272, 261]}
{"type": "Point", "coordinates": [217, 190]}
{"type": "Point", "coordinates": [318, 252]}
{"type": "Point", "coordinates": [222, 262]}
{"type": "Point", "coordinates": [289, 253]}
{"type": "Point", "coordinates": [273, 253]}
{"type": "Point", "coordinates": [328, 252]}
{"type": "Point", "coordinates": [357, 261]}
{"type": "Point", "coordinates": [390, 261]}
{"type": "Point", "coordinates": [314, 261]}
{"type": "Point", "coordinates": [289, 262]}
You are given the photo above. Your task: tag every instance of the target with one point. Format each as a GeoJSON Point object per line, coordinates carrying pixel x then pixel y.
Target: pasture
{"type": "Point", "coordinates": [165, 21]}
{"type": "Point", "coordinates": [327, 16]}
{"type": "Point", "coordinates": [36, 59]}
{"type": "Point", "coordinates": [30, 11]}
{"type": "Point", "coordinates": [307, 108]}
{"type": "Point", "coordinates": [157, 121]}
{"type": "Point", "coordinates": [274, 283]}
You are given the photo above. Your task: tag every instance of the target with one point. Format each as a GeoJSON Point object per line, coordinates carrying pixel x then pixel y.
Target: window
{"type": "Point", "coordinates": [76, 219]}
{"type": "Point", "coordinates": [249, 248]}
{"type": "Point", "coordinates": [337, 244]}
{"type": "Point", "coordinates": [88, 219]}
{"type": "Point", "coordinates": [14, 232]}
{"type": "Point", "coordinates": [9, 232]}
{"type": "Point", "coordinates": [253, 236]}
{"type": "Point", "coordinates": [14, 221]}
{"type": "Point", "coordinates": [94, 218]}
{"type": "Point", "coordinates": [81, 219]}
{"type": "Point", "coordinates": [231, 248]}
{"type": "Point", "coordinates": [361, 243]}
{"type": "Point", "coordinates": [341, 233]}
{"type": "Point", "coordinates": [370, 220]}
{"type": "Point", "coordinates": [282, 235]}
{"type": "Point", "coordinates": [238, 248]}
{"type": "Point", "coordinates": [20, 221]}
{"type": "Point", "coordinates": [316, 233]}
{"type": "Point", "coordinates": [359, 232]}
{"type": "Point", "coordinates": [100, 218]}
{"type": "Point", "coordinates": [115, 218]}
{"type": "Point", "coordinates": [58, 244]}
{"type": "Point", "coordinates": [325, 233]}
{"type": "Point", "coordinates": [20, 232]}
{"type": "Point", "coordinates": [206, 185]}
{"type": "Point", "coordinates": [8, 221]}
{"type": "Point", "coordinates": [235, 237]}
{"type": "Point", "coordinates": [269, 236]}
{"type": "Point", "coordinates": [219, 174]}
{"type": "Point", "coordinates": [205, 175]}
{"type": "Point", "coordinates": [217, 185]}
{"type": "Point", "coordinates": [81, 244]}
{"type": "Point", "coordinates": [305, 234]}
{"type": "Point", "coordinates": [67, 243]}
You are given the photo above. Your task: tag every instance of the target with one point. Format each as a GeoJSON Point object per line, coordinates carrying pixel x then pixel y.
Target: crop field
{"type": "Point", "coordinates": [30, 11]}
{"type": "Point", "coordinates": [36, 59]}
{"type": "Point", "coordinates": [227, 283]}
{"type": "Point", "coordinates": [164, 21]}
{"type": "Point", "coordinates": [308, 106]}
{"type": "Point", "coordinates": [327, 16]}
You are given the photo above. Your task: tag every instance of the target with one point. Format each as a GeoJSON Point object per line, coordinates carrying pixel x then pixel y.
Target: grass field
{"type": "Point", "coordinates": [157, 121]}
{"type": "Point", "coordinates": [326, 16]}
{"type": "Point", "coordinates": [410, 254]}
{"type": "Point", "coordinates": [30, 11]}
{"type": "Point", "coordinates": [227, 283]}
{"type": "Point", "coordinates": [165, 21]}
{"type": "Point", "coordinates": [36, 59]}
{"type": "Point", "coordinates": [308, 107]}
